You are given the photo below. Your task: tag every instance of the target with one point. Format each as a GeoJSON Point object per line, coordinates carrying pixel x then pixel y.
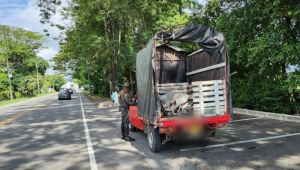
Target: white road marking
{"type": "Point", "coordinates": [240, 142]}
{"type": "Point", "coordinates": [88, 140]}
{"type": "Point", "coordinates": [245, 119]}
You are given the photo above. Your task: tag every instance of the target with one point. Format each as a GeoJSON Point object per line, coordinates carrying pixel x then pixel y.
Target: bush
{"type": "Point", "coordinates": [3, 95]}
{"type": "Point", "coordinates": [18, 94]}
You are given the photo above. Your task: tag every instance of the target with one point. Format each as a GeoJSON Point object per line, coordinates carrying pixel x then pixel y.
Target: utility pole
{"type": "Point", "coordinates": [37, 76]}
{"type": "Point", "coordinates": [87, 65]}
{"type": "Point", "coordinates": [53, 82]}
{"type": "Point", "coordinates": [11, 96]}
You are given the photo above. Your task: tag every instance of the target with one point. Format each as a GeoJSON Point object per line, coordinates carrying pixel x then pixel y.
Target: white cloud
{"type": "Point", "coordinates": [202, 2]}
{"type": "Point", "coordinates": [24, 14]}
{"type": "Point", "coordinates": [47, 53]}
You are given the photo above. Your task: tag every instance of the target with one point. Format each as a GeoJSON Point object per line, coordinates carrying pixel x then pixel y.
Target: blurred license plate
{"type": "Point", "coordinates": [195, 129]}
{"type": "Point", "coordinates": [63, 94]}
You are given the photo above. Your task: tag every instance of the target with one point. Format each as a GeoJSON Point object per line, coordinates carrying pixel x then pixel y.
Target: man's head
{"type": "Point", "coordinates": [126, 87]}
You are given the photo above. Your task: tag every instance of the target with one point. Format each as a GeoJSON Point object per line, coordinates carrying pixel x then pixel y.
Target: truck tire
{"type": "Point", "coordinates": [131, 127]}
{"type": "Point", "coordinates": [154, 139]}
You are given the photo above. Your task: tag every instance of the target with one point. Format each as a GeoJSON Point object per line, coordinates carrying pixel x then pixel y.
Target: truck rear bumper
{"type": "Point", "coordinates": [172, 126]}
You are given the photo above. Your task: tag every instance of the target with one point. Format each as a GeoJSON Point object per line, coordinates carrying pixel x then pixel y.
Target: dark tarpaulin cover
{"type": "Point", "coordinates": [210, 40]}
{"type": "Point", "coordinates": [147, 107]}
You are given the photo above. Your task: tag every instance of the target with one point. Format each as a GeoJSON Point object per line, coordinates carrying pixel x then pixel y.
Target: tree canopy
{"type": "Point", "coordinates": [18, 57]}
{"type": "Point", "coordinates": [263, 39]}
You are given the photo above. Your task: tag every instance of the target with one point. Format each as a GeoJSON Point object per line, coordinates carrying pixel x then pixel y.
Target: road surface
{"type": "Point", "coordinates": [45, 133]}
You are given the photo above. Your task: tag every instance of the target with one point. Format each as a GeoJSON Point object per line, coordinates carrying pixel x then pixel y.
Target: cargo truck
{"type": "Point", "coordinates": [182, 94]}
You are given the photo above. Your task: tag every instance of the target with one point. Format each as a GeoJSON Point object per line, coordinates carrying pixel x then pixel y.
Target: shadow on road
{"type": "Point", "coordinates": [53, 137]}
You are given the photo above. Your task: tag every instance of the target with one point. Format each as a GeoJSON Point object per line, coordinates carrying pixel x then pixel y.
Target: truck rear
{"type": "Point", "coordinates": [182, 95]}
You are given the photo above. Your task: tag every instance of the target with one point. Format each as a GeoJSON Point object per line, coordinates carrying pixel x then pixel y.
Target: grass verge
{"type": "Point", "coordinates": [87, 93]}
{"type": "Point", "coordinates": [5, 102]}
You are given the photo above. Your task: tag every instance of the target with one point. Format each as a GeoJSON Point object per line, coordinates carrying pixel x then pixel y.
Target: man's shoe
{"type": "Point", "coordinates": [123, 137]}
{"type": "Point", "coordinates": [128, 138]}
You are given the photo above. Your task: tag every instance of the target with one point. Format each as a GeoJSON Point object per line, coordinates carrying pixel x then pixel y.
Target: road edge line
{"type": "Point", "coordinates": [244, 119]}
{"type": "Point", "coordinates": [93, 163]}
{"type": "Point", "coordinates": [240, 142]}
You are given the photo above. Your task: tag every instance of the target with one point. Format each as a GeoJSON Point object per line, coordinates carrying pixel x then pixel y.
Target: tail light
{"type": "Point", "coordinates": [59, 93]}
{"type": "Point", "coordinates": [67, 93]}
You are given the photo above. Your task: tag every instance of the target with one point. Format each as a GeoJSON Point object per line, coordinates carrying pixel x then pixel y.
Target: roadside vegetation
{"type": "Point", "coordinates": [262, 36]}
{"type": "Point", "coordinates": [21, 70]}
{"type": "Point", "coordinates": [4, 102]}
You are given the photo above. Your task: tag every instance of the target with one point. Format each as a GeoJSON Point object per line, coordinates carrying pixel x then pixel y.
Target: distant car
{"type": "Point", "coordinates": [64, 94]}
{"type": "Point", "coordinates": [70, 90]}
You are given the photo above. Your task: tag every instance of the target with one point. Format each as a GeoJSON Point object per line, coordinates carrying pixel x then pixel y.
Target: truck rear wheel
{"type": "Point", "coordinates": [154, 139]}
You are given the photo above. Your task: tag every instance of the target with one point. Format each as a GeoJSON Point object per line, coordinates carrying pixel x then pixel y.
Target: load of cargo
{"type": "Point", "coordinates": [202, 98]}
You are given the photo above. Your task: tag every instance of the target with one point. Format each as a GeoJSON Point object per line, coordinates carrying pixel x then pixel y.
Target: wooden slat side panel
{"type": "Point", "coordinates": [195, 89]}
{"type": "Point", "coordinates": [207, 99]}
{"type": "Point", "coordinates": [220, 92]}
{"type": "Point", "coordinates": [174, 91]}
{"type": "Point", "coordinates": [201, 102]}
{"type": "Point", "coordinates": [206, 69]}
{"type": "Point", "coordinates": [207, 82]}
{"type": "Point", "coordinates": [217, 99]}
{"type": "Point", "coordinates": [173, 84]}
{"type": "Point", "coordinates": [208, 112]}
{"type": "Point", "coordinates": [224, 93]}
{"type": "Point", "coordinates": [173, 88]}
{"type": "Point", "coordinates": [208, 105]}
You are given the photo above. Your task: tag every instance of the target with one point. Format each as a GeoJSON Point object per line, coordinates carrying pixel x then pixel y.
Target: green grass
{"type": "Point", "coordinates": [87, 93]}
{"type": "Point", "coordinates": [22, 99]}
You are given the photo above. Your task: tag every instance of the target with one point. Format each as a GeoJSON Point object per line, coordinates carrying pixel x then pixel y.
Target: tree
{"type": "Point", "coordinates": [4, 83]}
{"type": "Point", "coordinates": [16, 46]}
{"type": "Point", "coordinates": [59, 80]}
{"type": "Point", "coordinates": [263, 40]}
{"type": "Point", "coordinates": [27, 86]}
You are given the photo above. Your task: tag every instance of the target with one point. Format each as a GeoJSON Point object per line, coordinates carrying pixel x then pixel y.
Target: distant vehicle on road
{"type": "Point", "coordinates": [64, 94]}
{"type": "Point", "coordinates": [70, 91]}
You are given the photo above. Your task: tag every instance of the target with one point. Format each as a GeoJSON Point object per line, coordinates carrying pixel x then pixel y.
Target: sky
{"type": "Point", "coordinates": [24, 14]}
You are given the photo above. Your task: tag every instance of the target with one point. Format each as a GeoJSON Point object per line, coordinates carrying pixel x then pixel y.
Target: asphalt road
{"type": "Point", "coordinates": [53, 136]}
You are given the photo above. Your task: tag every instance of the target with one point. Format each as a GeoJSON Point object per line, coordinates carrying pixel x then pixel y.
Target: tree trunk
{"type": "Point", "coordinates": [88, 71]}
{"type": "Point", "coordinates": [131, 83]}
{"type": "Point", "coordinates": [295, 102]}
{"type": "Point", "coordinates": [37, 77]}
{"type": "Point", "coordinates": [53, 82]}
{"type": "Point", "coordinates": [11, 96]}
{"type": "Point", "coordinates": [114, 58]}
